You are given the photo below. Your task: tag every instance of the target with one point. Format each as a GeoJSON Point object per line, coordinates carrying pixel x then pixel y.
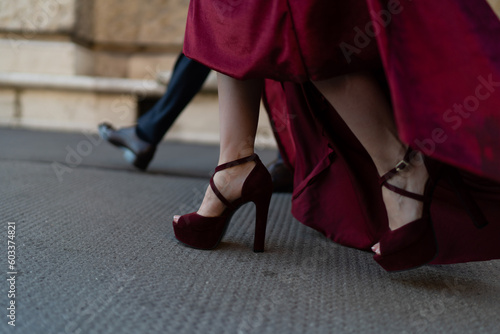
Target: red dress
{"type": "Point", "coordinates": [442, 67]}
{"type": "Point", "coordinates": [279, 39]}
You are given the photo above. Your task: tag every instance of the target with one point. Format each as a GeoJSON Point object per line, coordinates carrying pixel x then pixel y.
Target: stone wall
{"type": "Point", "coordinates": [71, 64]}
{"type": "Point", "coordinates": [132, 23]}
{"type": "Point", "coordinates": [52, 50]}
{"type": "Point", "coordinates": [110, 38]}
{"type": "Point", "coordinates": [39, 16]}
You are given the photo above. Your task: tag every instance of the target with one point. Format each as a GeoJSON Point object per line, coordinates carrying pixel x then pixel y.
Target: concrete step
{"type": "Point", "coordinates": [79, 103]}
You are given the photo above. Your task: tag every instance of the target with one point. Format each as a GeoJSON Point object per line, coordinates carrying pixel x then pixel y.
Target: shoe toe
{"type": "Point", "coordinates": [105, 130]}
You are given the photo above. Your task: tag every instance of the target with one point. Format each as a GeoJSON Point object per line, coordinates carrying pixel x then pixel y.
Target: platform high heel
{"type": "Point", "coordinates": [206, 232]}
{"type": "Point", "coordinates": [413, 244]}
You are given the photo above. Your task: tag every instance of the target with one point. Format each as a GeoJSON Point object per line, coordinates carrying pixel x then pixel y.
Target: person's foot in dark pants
{"type": "Point", "coordinates": [136, 151]}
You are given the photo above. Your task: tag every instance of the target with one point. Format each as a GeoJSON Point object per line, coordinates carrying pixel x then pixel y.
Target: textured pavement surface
{"type": "Point", "coordinates": [95, 253]}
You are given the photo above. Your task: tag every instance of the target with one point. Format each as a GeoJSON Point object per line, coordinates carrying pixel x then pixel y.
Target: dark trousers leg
{"type": "Point", "coordinates": [187, 78]}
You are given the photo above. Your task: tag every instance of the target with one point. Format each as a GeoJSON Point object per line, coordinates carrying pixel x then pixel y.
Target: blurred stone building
{"type": "Point", "coordinates": [71, 64]}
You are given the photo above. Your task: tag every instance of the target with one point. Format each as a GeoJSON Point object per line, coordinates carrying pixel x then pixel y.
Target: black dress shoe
{"type": "Point", "coordinates": [282, 177]}
{"type": "Point", "coordinates": [136, 151]}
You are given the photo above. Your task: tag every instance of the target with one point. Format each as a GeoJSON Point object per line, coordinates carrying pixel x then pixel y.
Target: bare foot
{"type": "Point", "coordinates": [402, 210]}
{"type": "Point", "coordinates": [229, 182]}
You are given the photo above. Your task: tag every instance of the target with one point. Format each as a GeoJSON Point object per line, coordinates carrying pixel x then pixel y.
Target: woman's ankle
{"type": "Point", "coordinates": [228, 155]}
{"type": "Point", "coordinates": [402, 210]}
{"type": "Point", "coordinates": [229, 182]}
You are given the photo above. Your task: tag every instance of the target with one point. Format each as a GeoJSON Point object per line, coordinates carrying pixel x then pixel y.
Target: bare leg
{"type": "Point", "coordinates": [239, 103]}
{"type": "Point", "coordinates": [362, 105]}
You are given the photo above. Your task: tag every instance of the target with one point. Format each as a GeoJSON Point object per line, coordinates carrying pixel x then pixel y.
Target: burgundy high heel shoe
{"type": "Point", "coordinates": [206, 232]}
{"type": "Point", "coordinates": [413, 244]}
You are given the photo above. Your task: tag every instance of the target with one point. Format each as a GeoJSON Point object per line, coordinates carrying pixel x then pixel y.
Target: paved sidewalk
{"type": "Point", "coordinates": [95, 253]}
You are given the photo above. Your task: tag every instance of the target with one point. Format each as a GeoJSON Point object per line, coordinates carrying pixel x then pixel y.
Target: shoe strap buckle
{"type": "Point", "coordinates": [402, 165]}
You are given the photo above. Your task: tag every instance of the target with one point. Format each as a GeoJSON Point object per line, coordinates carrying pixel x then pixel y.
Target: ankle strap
{"type": "Point", "coordinates": [236, 162]}
{"type": "Point", "coordinates": [399, 167]}
{"type": "Point", "coordinates": [253, 157]}
{"type": "Point", "coordinates": [403, 164]}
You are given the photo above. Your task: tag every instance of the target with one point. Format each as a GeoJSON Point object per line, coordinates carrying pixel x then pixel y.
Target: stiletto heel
{"type": "Point", "coordinates": [206, 232]}
{"type": "Point", "coordinates": [413, 244]}
{"type": "Point", "coordinates": [261, 213]}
